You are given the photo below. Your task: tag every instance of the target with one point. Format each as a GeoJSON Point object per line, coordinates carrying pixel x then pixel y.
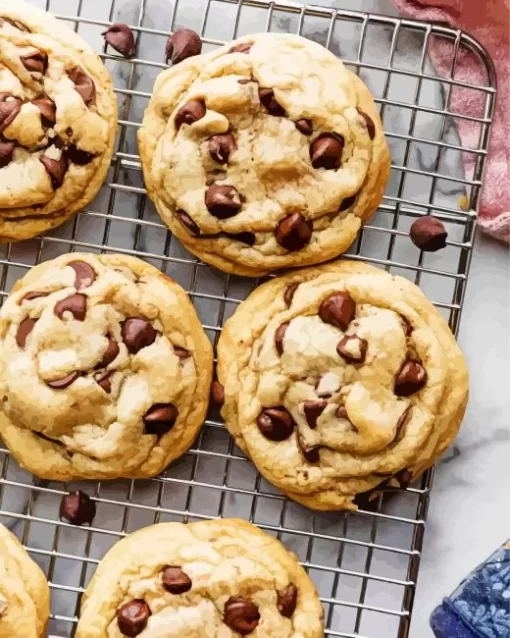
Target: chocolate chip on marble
{"type": "Point", "coordinates": [218, 393]}
{"type": "Point", "coordinates": [35, 62]}
{"type": "Point", "coordinates": [83, 84]}
{"type": "Point", "coordinates": [311, 453]}
{"type": "Point", "coordinates": [10, 106]}
{"type": "Point", "coordinates": [191, 112]}
{"type": "Point", "coordinates": [64, 382]}
{"type": "Point", "coordinates": [222, 201]}
{"type": "Point", "coordinates": [289, 293]}
{"type": "Point", "coordinates": [241, 615]}
{"type": "Point", "coordinates": [279, 336]}
{"type": "Point", "coordinates": [160, 418]}
{"type": "Point", "coordinates": [137, 333]}
{"type": "Point", "coordinates": [369, 123]}
{"type": "Point", "coordinates": [276, 424]}
{"type": "Point", "coordinates": [245, 238]}
{"type": "Point", "coordinates": [48, 110]}
{"type": "Point", "coordinates": [76, 305]}
{"type": "Point", "coordinates": [24, 330]}
{"type": "Point", "coordinates": [132, 617]}
{"type": "Point", "coordinates": [294, 232]}
{"type": "Point", "coordinates": [272, 106]}
{"type": "Point", "coordinates": [110, 354]}
{"type": "Point", "coordinates": [191, 226]}
{"type": "Point", "coordinates": [338, 310]}
{"type": "Point", "coordinates": [221, 146]}
{"type": "Point", "coordinates": [182, 44]}
{"type": "Point", "coordinates": [429, 234]}
{"type": "Point", "coordinates": [103, 380]}
{"type": "Point", "coordinates": [6, 153]}
{"type": "Point", "coordinates": [181, 353]}
{"type": "Point", "coordinates": [78, 508]}
{"type": "Point", "coordinates": [313, 410]}
{"type": "Point", "coordinates": [85, 274]}
{"type": "Point", "coordinates": [352, 349]}
{"type": "Point", "coordinates": [30, 296]}
{"type": "Point", "coordinates": [56, 169]}
{"type": "Point", "coordinates": [304, 126]}
{"type": "Point", "coordinates": [411, 378]}
{"type": "Point", "coordinates": [326, 151]}
{"type": "Point", "coordinates": [287, 600]}
{"type": "Point", "coordinates": [243, 47]}
{"type": "Point", "coordinates": [347, 203]}
{"type": "Point", "coordinates": [175, 580]}
{"type": "Point", "coordinates": [77, 156]}
{"type": "Point", "coordinates": [120, 37]}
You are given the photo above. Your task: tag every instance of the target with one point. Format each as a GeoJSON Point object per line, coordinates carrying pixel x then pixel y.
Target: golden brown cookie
{"type": "Point", "coordinates": [265, 154]}
{"type": "Point", "coordinates": [340, 379]}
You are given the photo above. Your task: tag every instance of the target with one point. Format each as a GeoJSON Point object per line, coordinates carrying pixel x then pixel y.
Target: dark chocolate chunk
{"type": "Point", "coordinates": [326, 151]}
{"type": "Point", "coordinates": [83, 84]}
{"type": "Point", "coordinates": [137, 333]}
{"type": "Point", "coordinates": [222, 201]}
{"type": "Point", "coordinates": [188, 223]}
{"type": "Point", "coordinates": [268, 100]}
{"type": "Point", "coordinates": [311, 453]}
{"type": "Point", "coordinates": [160, 419]}
{"type": "Point", "coordinates": [175, 580]}
{"type": "Point", "coordinates": [279, 336]}
{"type": "Point", "coordinates": [132, 617]}
{"type": "Point", "coordinates": [76, 305]}
{"type": "Point", "coordinates": [182, 44]}
{"type": "Point", "coordinates": [304, 126]}
{"type": "Point", "coordinates": [78, 508]}
{"type": "Point", "coordinates": [352, 349]}
{"type": "Point", "coordinates": [294, 232]}
{"type": "Point", "coordinates": [121, 38]}
{"type": "Point", "coordinates": [338, 310]}
{"type": "Point", "coordinates": [287, 600]}
{"type": "Point", "coordinates": [24, 330]}
{"type": "Point", "coordinates": [313, 410]}
{"type": "Point", "coordinates": [76, 156]}
{"type": "Point", "coordinates": [429, 234]}
{"type": "Point", "coordinates": [241, 615]}
{"type": "Point", "coordinates": [411, 378]}
{"type": "Point", "coordinates": [276, 424]}
{"type": "Point", "coordinates": [221, 146]}
{"type": "Point", "coordinates": [192, 111]}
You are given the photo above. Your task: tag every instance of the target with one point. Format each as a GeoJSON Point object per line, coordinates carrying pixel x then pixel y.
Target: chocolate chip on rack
{"type": "Point", "coordinates": [276, 424]}
{"type": "Point", "coordinates": [137, 333]}
{"type": "Point", "coordinates": [313, 410]}
{"type": "Point", "coordinates": [175, 580]}
{"type": "Point", "coordinates": [338, 310]}
{"type": "Point", "coordinates": [241, 615]}
{"type": "Point", "coordinates": [279, 336]}
{"type": "Point", "coordinates": [120, 37]}
{"type": "Point", "coordinates": [428, 233]}
{"type": "Point", "coordinates": [326, 151]}
{"type": "Point", "coordinates": [222, 201]}
{"type": "Point", "coordinates": [132, 617]}
{"type": "Point", "coordinates": [294, 232]}
{"type": "Point", "coordinates": [182, 44]}
{"type": "Point", "coordinates": [78, 508]}
{"type": "Point", "coordinates": [191, 112]}
{"type": "Point", "coordinates": [221, 146]}
{"type": "Point", "coordinates": [287, 600]}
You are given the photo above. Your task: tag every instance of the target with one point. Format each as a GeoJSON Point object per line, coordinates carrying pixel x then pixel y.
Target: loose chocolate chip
{"type": "Point", "coordinates": [326, 151]}
{"type": "Point", "coordinates": [160, 419]}
{"type": "Point", "coordinates": [289, 293]}
{"type": "Point", "coordinates": [408, 328]}
{"type": "Point", "coordinates": [56, 169]}
{"type": "Point", "coordinates": [65, 382]}
{"type": "Point", "coordinates": [181, 353]}
{"type": "Point", "coordinates": [30, 296]}
{"type": "Point", "coordinates": [9, 109]}
{"type": "Point", "coordinates": [191, 226]}
{"type": "Point", "coordinates": [132, 617]}
{"type": "Point", "coordinates": [244, 47]}
{"type": "Point", "coordinates": [175, 580]}
{"type": "Point", "coordinates": [218, 393]}
{"type": "Point", "coordinates": [279, 336]}
{"type": "Point", "coordinates": [77, 156]}
{"type": "Point", "coordinates": [304, 126]}
{"type": "Point", "coordinates": [222, 201]}
{"type": "Point", "coordinates": [429, 234]}
{"type": "Point", "coordinates": [74, 304]}
{"type": "Point", "coordinates": [110, 354]}
{"type": "Point", "coordinates": [294, 232]}
{"type": "Point", "coordinates": [352, 349]}
{"type": "Point", "coordinates": [268, 100]}
{"type": "Point", "coordinates": [338, 310]}
{"type": "Point", "coordinates": [120, 37]}
{"type": "Point", "coordinates": [6, 153]}
{"type": "Point", "coordinates": [48, 110]}
{"type": "Point", "coordinates": [103, 379]}
{"type": "Point", "coordinates": [24, 330]}
{"type": "Point", "coordinates": [192, 111]}
{"type": "Point", "coordinates": [369, 123]}
{"type": "Point", "coordinates": [83, 84]}
{"type": "Point", "coordinates": [221, 146]}
{"type": "Point", "coordinates": [311, 453]}
{"type": "Point", "coordinates": [411, 378]}
{"type": "Point", "coordinates": [137, 333]}
{"type": "Point", "coordinates": [245, 238]}
{"type": "Point", "coordinates": [241, 615]}
{"type": "Point", "coordinates": [35, 62]}
{"type": "Point", "coordinates": [78, 508]}
{"type": "Point", "coordinates": [85, 274]}
{"type": "Point", "coordinates": [347, 203]}
{"type": "Point", "coordinates": [287, 600]}
{"type": "Point", "coordinates": [313, 410]}
{"type": "Point", "coordinates": [276, 424]}
{"type": "Point", "coordinates": [182, 44]}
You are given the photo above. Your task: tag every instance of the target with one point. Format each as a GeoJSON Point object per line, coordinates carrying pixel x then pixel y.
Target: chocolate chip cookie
{"type": "Point", "coordinates": [339, 381]}
{"type": "Point", "coordinates": [24, 591]}
{"type": "Point", "coordinates": [58, 119]}
{"type": "Point", "coordinates": [220, 579]}
{"type": "Point", "coordinates": [105, 369]}
{"type": "Point", "coordinates": [265, 154]}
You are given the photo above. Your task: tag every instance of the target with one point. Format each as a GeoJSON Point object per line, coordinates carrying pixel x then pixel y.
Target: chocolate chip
{"type": "Point", "coordinates": [289, 293]}
{"type": "Point", "coordinates": [313, 410]}
{"type": "Point", "coordinates": [175, 580]}
{"type": "Point", "coordinates": [304, 126]}
{"type": "Point", "coordinates": [352, 349]}
{"type": "Point", "coordinates": [160, 418]}
{"type": "Point", "coordinates": [268, 100]}
{"type": "Point", "coordinates": [221, 146]}
{"type": "Point", "coordinates": [74, 304]}
{"type": "Point", "coordinates": [10, 106]}
{"type": "Point", "coordinates": [16, 24]}
{"type": "Point", "coordinates": [132, 617]}
{"type": "Point", "coordinates": [83, 84]}
{"type": "Point", "coordinates": [182, 44]}
{"type": "Point", "coordinates": [56, 169]}
{"type": "Point", "coordinates": [294, 232]}
{"type": "Point", "coordinates": [347, 203]}
{"type": "Point", "coordinates": [429, 234]}
{"type": "Point", "coordinates": [287, 600]}
{"type": "Point", "coordinates": [103, 379]}
{"type": "Point", "coordinates": [110, 354]}
{"type": "Point", "coordinates": [78, 508]}
{"type": "Point", "coordinates": [311, 453]}
{"type": "Point", "coordinates": [218, 393]}
{"type": "Point", "coordinates": [6, 153]}
{"type": "Point", "coordinates": [192, 111]}
{"type": "Point", "coordinates": [401, 422]}
{"type": "Point", "coordinates": [137, 333]}
{"type": "Point", "coordinates": [245, 238]}
{"type": "Point", "coordinates": [244, 47]}
{"type": "Point", "coordinates": [181, 353]}
{"type": "Point", "coordinates": [64, 382]}
{"type": "Point", "coordinates": [48, 110]}
{"type": "Point", "coordinates": [341, 412]}
{"type": "Point", "coordinates": [278, 337]}
{"type": "Point", "coordinates": [85, 274]}
{"type": "Point", "coordinates": [246, 80]}
{"type": "Point", "coordinates": [369, 123]}
{"type": "Point", "coordinates": [35, 62]}
{"type": "Point", "coordinates": [411, 378]}
{"type": "Point", "coordinates": [241, 615]}
{"type": "Point", "coordinates": [338, 310]}
{"type": "Point", "coordinates": [222, 201]}
{"type": "Point", "coordinates": [30, 296]}
{"type": "Point", "coordinates": [120, 37]}
{"type": "Point", "coordinates": [326, 151]}
{"type": "Point", "coordinates": [77, 156]}
{"type": "Point", "coordinates": [188, 223]}
{"type": "Point", "coordinates": [404, 477]}
{"type": "Point", "coordinates": [276, 424]}
{"type": "Point", "coordinates": [24, 330]}
{"type": "Point", "coordinates": [408, 328]}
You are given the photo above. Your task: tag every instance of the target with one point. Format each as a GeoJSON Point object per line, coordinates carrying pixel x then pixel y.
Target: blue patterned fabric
{"type": "Point", "coordinates": [480, 606]}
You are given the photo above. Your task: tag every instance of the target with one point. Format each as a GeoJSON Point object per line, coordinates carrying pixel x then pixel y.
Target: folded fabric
{"type": "Point", "coordinates": [480, 606]}
{"type": "Point", "coordinates": [489, 23]}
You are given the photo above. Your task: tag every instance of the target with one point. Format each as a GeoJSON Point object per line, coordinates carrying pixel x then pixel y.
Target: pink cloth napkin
{"type": "Point", "coordinates": [488, 22]}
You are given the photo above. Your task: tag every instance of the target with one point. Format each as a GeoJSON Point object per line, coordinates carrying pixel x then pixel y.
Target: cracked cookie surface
{"type": "Point", "coordinates": [58, 120]}
{"type": "Point", "coordinates": [105, 369]}
{"type": "Point", "coordinates": [340, 379]}
{"type": "Point", "coordinates": [220, 579]}
{"type": "Point", "coordinates": [265, 154]}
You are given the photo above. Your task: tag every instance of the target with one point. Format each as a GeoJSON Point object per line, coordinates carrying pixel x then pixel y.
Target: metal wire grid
{"type": "Point", "coordinates": [365, 565]}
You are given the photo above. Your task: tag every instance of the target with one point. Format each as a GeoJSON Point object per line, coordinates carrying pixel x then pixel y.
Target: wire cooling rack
{"type": "Point", "coordinates": [365, 565]}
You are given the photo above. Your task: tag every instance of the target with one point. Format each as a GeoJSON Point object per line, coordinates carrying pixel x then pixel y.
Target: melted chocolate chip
{"type": "Point", "coordinates": [429, 234]}
{"type": "Point", "coordinates": [241, 615]}
{"type": "Point", "coordinates": [411, 378]}
{"type": "Point", "coordinates": [338, 310]}
{"type": "Point", "coordinates": [279, 336]}
{"type": "Point", "coordinates": [24, 330]}
{"type": "Point", "coordinates": [181, 353]}
{"type": "Point", "coordinates": [244, 47]}
{"type": "Point", "coordinates": [48, 110]}
{"type": "Point", "coordinates": [83, 84]}
{"type": "Point", "coordinates": [76, 305]}
{"type": "Point", "coordinates": [182, 44]}
{"type": "Point", "coordinates": [76, 156]}
{"type": "Point", "coordinates": [287, 600]}
{"type": "Point", "coordinates": [137, 333]}
{"type": "Point", "coordinates": [347, 203]}
{"type": "Point", "coordinates": [294, 232]}
{"type": "Point", "coordinates": [408, 328]}
{"type": "Point", "coordinates": [313, 410]}
{"type": "Point", "coordinates": [175, 580]}
{"type": "Point", "coordinates": [304, 126]}
{"type": "Point", "coordinates": [36, 62]}
{"type": "Point", "coordinates": [6, 153]}
{"type": "Point", "coordinates": [120, 37]}
{"type": "Point", "coordinates": [160, 419]}
{"type": "Point", "coordinates": [221, 146]}
{"type": "Point", "coordinates": [132, 617]}
{"type": "Point", "coordinates": [188, 223]}
{"type": "Point", "coordinates": [64, 382]}
{"type": "Point", "coordinates": [369, 123]}
{"type": "Point", "coordinates": [103, 379]}
{"type": "Point", "coordinates": [276, 424]}
{"type": "Point", "coordinates": [30, 296]}
{"type": "Point", "coordinates": [16, 24]}
{"type": "Point", "coordinates": [404, 477]}
{"type": "Point", "coordinates": [110, 354]}
{"type": "Point", "coordinates": [56, 169]}
{"type": "Point", "coordinates": [289, 293]}
{"type": "Point", "coordinates": [222, 201]}
{"type": "Point", "coordinates": [268, 100]}
{"type": "Point", "coordinates": [78, 508]}
{"type": "Point", "coordinates": [245, 238]}
{"type": "Point", "coordinates": [10, 106]}
{"type": "Point", "coordinates": [218, 393]}
{"type": "Point", "coordinates": [192, 111]}
{"type": "Point", "coordinates": [326, 151]}
{"type": "Point", "coordinates": [352, 349]}
{"type": "Point", "coordinates": [311, 453]}
{"type": "Point", "coordinates": [85, 274]}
